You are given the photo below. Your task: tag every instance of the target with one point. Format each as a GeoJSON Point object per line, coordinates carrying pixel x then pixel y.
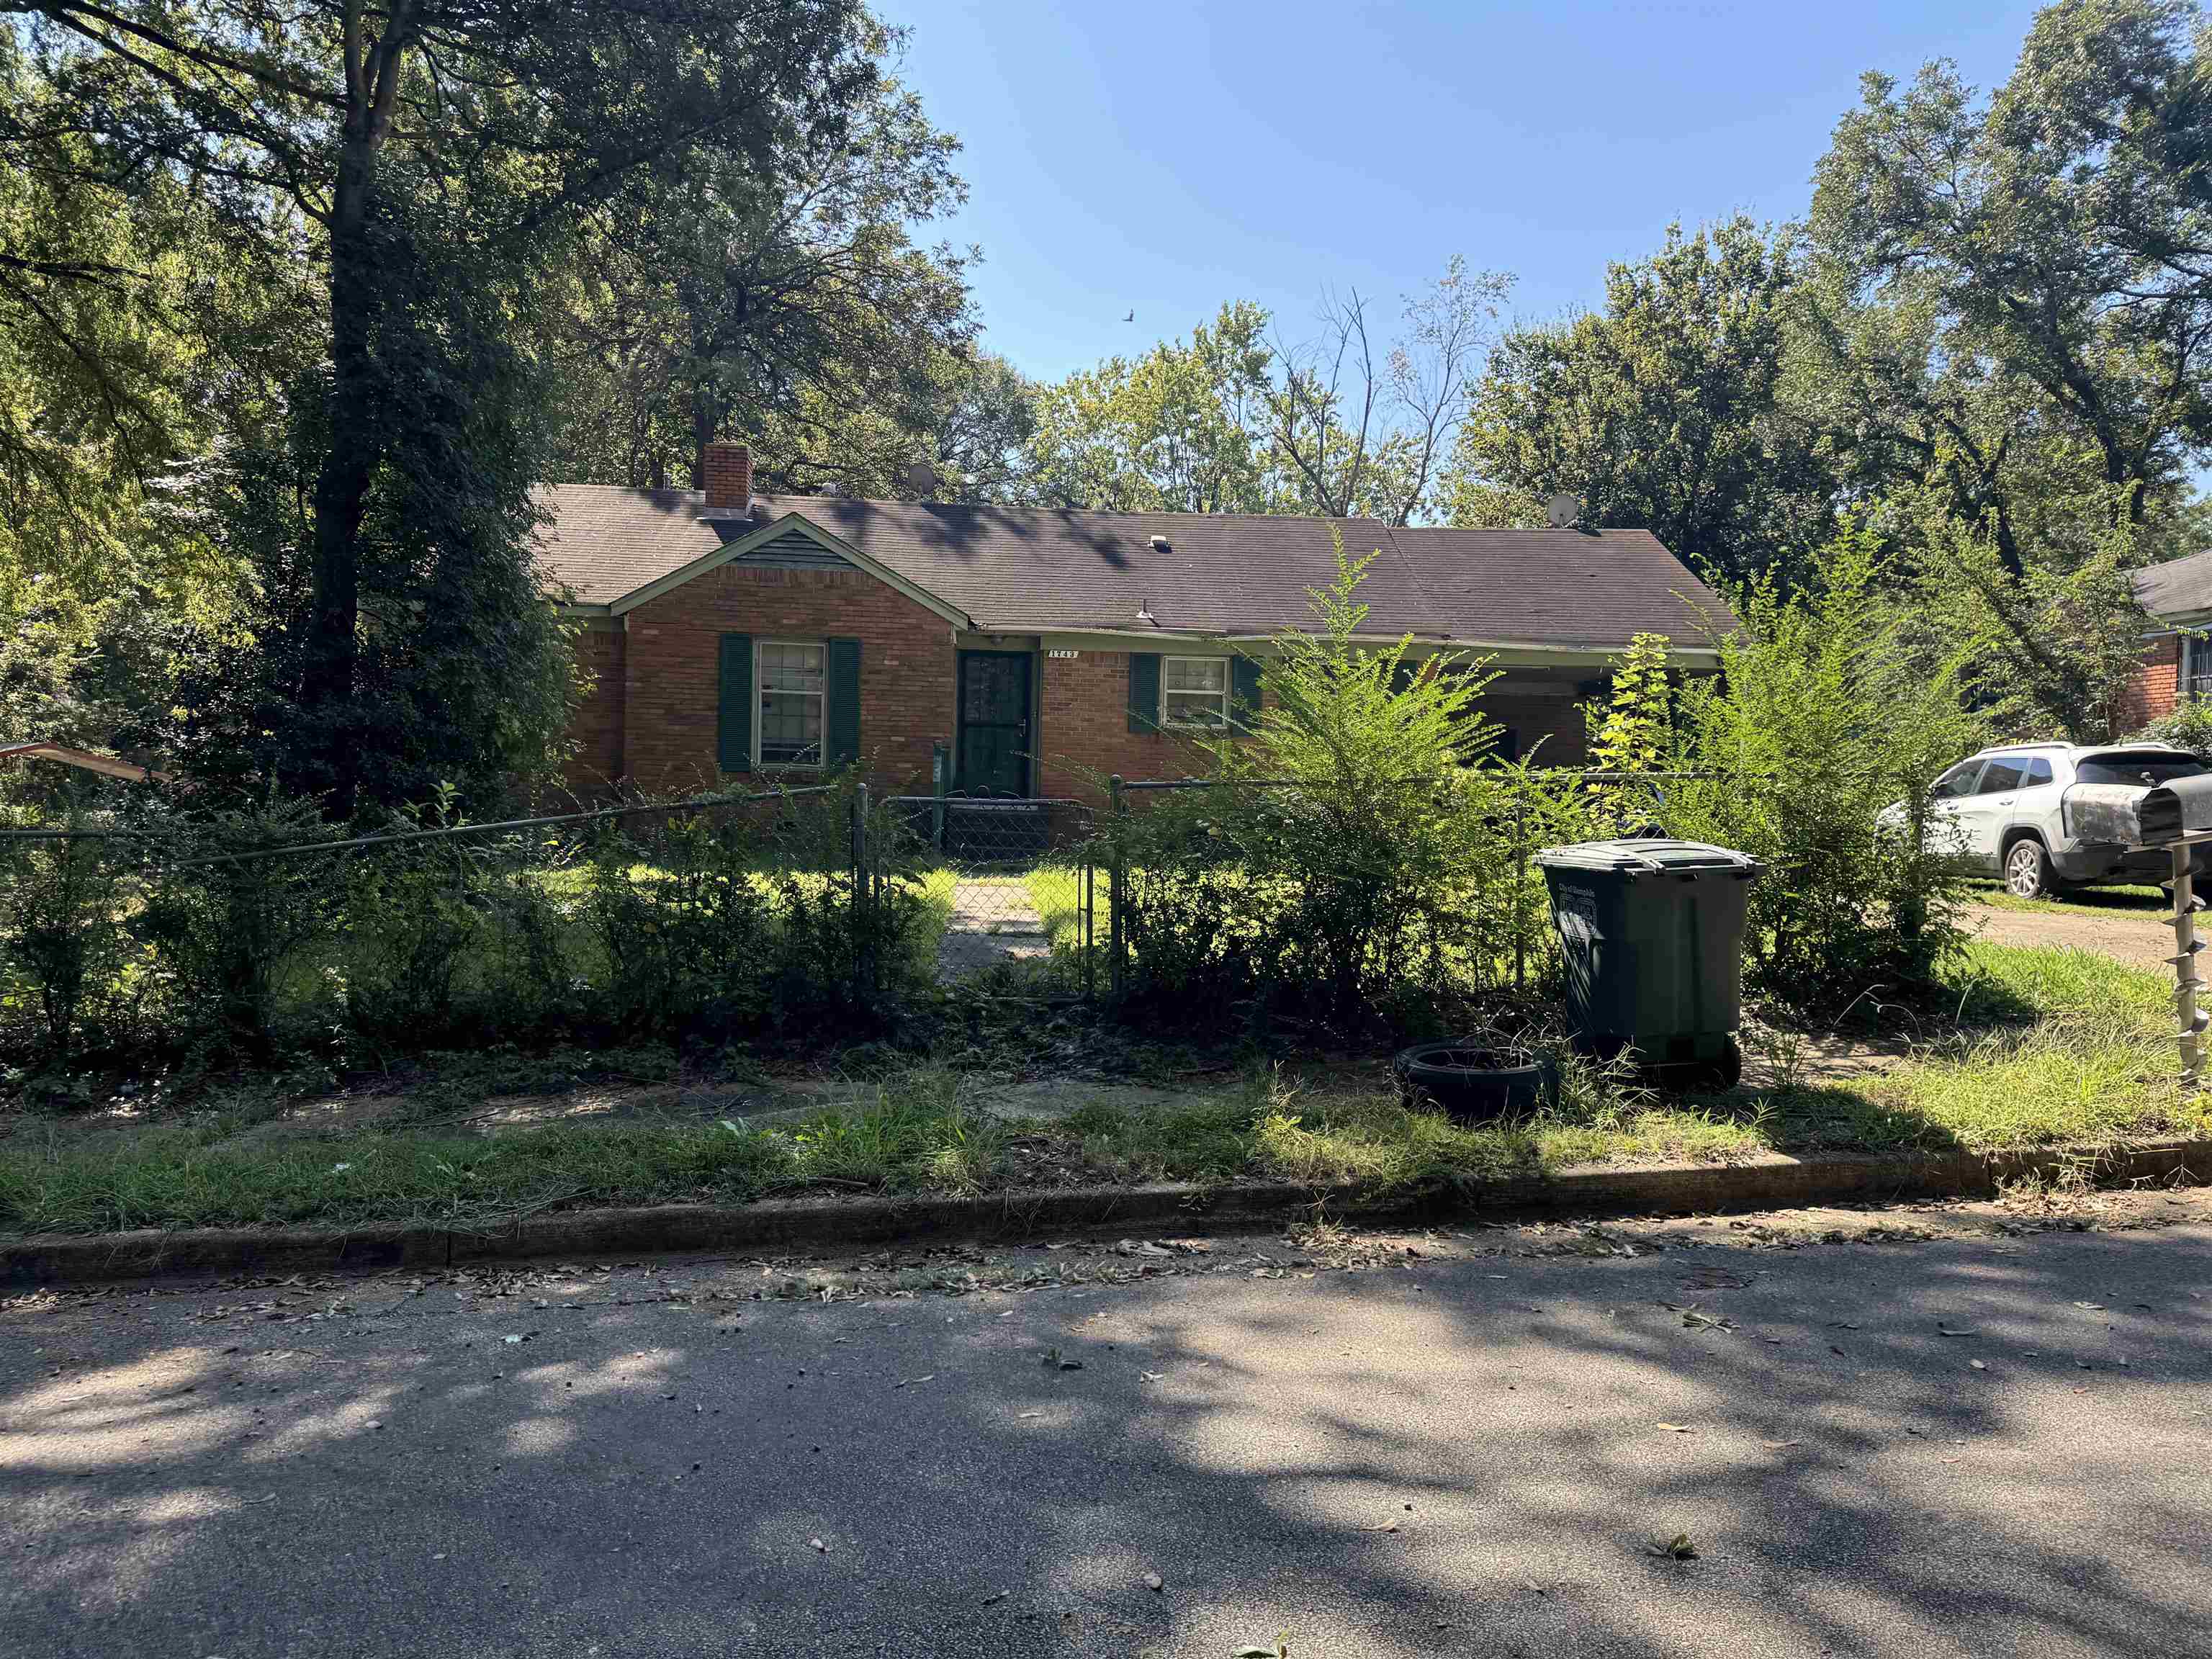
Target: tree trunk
{"type": "Point", "coordinates": [349, 464]}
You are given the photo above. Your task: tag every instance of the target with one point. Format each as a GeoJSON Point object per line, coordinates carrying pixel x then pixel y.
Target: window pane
{"type": "Point", "coordinates": [1959, 781]}
{"type": "Point", "coordinates": [1197, 673]}
{"type": "Point", "coordinates": [1195, 708]}
{"type": "Point", "coordinates": [791, 667]}
{"type": "Point", "coordinates": [791, 678]}
{"type": "Point", "coordinates": [2039, 771]}
{"type": "Point", "coordinates": [2003, 774]}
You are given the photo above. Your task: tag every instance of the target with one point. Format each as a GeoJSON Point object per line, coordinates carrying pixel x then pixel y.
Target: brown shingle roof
{"type": "Point", "coordinates": [2176, 588]}
{"type": "Point", "coordinates": [1027, 570]}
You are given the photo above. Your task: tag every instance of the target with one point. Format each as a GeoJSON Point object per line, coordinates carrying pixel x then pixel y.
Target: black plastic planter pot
{"type": "Point", "coordinates": [1473, 1082]}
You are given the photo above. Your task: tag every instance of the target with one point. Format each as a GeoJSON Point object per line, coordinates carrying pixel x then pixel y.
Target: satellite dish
{"type": "Point", "coordinates": [1562, 510]}
{"type": "Point", "coordinates": [921, 478]}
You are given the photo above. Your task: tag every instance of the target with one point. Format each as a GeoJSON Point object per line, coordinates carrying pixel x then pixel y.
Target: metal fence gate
{"type": "Point", "coordinates": [1008, 884]}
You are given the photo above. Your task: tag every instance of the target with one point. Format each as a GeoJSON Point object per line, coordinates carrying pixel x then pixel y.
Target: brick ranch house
{"type": "Point", "coordinates": [2177, 653]}
{"type": "Point", "coordinates": [729, 634]}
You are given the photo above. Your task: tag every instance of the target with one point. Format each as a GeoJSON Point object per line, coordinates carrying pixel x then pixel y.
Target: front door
{"type": "Point", "coordinates": [993, 756]}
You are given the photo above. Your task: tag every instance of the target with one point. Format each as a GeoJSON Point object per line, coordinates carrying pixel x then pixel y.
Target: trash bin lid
{"type": "Point", "coordinates": [1635, 857]}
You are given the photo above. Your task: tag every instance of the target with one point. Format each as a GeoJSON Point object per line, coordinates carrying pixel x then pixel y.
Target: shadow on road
{"type": "Point", "coordinates": [1459, 1456]}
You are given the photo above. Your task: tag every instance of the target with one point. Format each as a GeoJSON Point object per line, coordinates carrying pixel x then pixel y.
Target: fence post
{"type": "Point", "coordinates": [941, 781]}
{"type": "Point", "coordinates": [1117, 877]}
{"type": "Point", "coordinates": [1520, 892]}
{"type": "Point", "coordinates": [1090, 932]}
{"type": "Point", "coordinates": [863, 982]}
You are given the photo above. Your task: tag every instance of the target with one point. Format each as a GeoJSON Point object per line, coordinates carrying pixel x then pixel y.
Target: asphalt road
{"type": "Point", "coordinates": [1462, 1450]}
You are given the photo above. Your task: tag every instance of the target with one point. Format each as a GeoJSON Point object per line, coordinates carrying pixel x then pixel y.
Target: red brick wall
{"type": "Point", "coordinates": [1551, 726]}
{"type": "Point", "coordinates": [672, 669]}
{"type": "Point", "coordinates": [2155, 689]}
{"type": "Point", "coordinates": [596, 722]}
{"type": "Point", "coordinates": [1085, 711]}
{"type": "Point", "coordinates": [651, 717]}
{"type": "Point", "coordinates": [1084, 719]}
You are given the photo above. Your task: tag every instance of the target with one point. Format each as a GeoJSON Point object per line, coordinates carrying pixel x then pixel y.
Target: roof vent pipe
{"type": "Point", "coordinates": [1159, 544]}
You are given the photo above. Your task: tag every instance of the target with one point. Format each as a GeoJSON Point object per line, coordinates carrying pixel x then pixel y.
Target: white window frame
{"type": "Point", "coordinates": [1228, 690]}
{"type": "Point", "coordinates": [762, 692]}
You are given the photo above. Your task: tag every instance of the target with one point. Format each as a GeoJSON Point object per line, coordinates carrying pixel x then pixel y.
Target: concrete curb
{"type": "Point", "coordinates": [1775, 1182]}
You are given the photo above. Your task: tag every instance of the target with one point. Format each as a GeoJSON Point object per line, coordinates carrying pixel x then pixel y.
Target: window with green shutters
{"type": "Point", "coordinates": [787, 703]}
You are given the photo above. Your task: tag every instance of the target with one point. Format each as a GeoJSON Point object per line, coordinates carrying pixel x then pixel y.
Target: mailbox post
{"type": "Point", "coordinates": [2178, 816]}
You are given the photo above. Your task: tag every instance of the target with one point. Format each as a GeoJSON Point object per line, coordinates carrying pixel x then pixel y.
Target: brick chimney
{"type": "Point", "coordinates": [728, 470]}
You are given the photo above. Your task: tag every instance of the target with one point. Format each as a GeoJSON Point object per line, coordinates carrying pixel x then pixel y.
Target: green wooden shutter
{"type": "Point", "coordinates": [843, 717]}
{"type": "Point", "coordinates": [1144, 690]}
{"type": "Point", "coordinates": [1243, 688]}
{"type": "Point", "coordinates": [734, 728]}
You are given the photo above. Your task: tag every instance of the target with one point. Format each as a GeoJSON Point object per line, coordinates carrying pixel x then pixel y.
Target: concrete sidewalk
{"type": "Point", "coordinates": [1462, 1447]}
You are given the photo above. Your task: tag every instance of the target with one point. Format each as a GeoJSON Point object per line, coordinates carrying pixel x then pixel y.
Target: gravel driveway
{"type": "Point", "coordinates": [2137, 938]}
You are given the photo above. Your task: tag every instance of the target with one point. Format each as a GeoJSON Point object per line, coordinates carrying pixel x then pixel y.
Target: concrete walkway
{"type": "Point", "coordinates": [1463, 1444]}
{"type": "Point", "coordinates": [993, 921]}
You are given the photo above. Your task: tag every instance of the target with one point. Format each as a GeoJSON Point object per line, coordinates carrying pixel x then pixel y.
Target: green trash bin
{"type": "Point", "coordinates": [1652, 931]}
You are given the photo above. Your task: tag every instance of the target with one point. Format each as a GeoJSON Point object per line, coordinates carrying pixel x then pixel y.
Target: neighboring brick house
{"type": "Point", "coordinates": [2176, 660]}
{"type": "Point", "coordinates": [729, 633]}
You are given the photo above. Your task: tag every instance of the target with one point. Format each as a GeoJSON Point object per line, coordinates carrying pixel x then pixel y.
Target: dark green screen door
{"type": "Point", "coordinates": [993, 756]}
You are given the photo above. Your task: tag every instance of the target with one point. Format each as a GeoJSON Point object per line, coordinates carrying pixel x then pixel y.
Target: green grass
{"type": "Point", "coordinates": [2042, 1047]}
{"type": "Point", "coordinates": [916, 1135]}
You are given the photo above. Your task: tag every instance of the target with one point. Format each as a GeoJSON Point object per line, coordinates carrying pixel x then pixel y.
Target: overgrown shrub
{"type": "Point", "coordinates": [1814, 727]}
{"type": "Point", "coordinates": [258, 930]}
{"type": "Point", "coordinates": [232, 923]}
{"type": "Point", "coordinates": [1632, 737]}
{"type": "Point", "coordinates": [681, 931]}
{"type": "Point", "coordinates": [2187, 725]}
{"type": "Point", "coordinates": [62, 948]}
{"type": "Point", "coordinates": [1352, 868]}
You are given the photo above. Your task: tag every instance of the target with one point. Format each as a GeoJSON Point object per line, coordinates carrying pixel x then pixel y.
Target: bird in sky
{"type": "Point", "coordinates": [1131, 318]}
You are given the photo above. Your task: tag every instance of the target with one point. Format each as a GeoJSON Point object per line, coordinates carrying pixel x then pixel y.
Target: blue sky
{"type": "Point", "coordinates": [1129, 154]}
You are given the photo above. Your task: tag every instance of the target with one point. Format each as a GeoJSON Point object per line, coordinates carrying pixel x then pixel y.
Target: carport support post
{"type": "Point", "coordinates": [2186, 984]}
{"type": "Point", "coordinates": [1114, 889]}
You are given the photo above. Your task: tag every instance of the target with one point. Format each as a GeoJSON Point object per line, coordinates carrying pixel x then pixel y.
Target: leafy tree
{"type": "Point", "coordinates": [2052, 237]}
{"type": "Point", "coordinates": [1663, 410]}
{"type": "Point", "coordinates": [399, 148]}
{"type": "Point", "coordinates": [1239, 420]}
{"type": "Point", "coordinates": [1375, 889]}
{"type": "Point", "coordinates": [111, 390]}
{"type": "Point", "coordinates": [2051, 651]}
{"type": "Point", "coordinates": [1817, 724]}
{"type": "Point", "coordinates": [779, 296]}
{"type": "Point", "coordinates": [1179, 429]}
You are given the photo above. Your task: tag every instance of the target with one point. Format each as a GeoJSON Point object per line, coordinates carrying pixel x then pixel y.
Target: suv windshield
{"type": "Point", "coordinates": [2153, 766]}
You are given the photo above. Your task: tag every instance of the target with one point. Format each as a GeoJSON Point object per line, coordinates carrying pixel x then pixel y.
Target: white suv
{"type": "Point", "coordinates": [2004, 812]}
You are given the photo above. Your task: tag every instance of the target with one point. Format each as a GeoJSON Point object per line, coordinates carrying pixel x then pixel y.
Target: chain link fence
{"type": "Point", "coordinates": [1011, 885]}
{"type": "Point", "coordinates": [721, 917]}
{"type": "Point", "coordinates": [166, 928]}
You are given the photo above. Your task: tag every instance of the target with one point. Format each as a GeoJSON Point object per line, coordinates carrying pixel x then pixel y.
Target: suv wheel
{"type": "Point", "coordinates": [2028, 869]}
